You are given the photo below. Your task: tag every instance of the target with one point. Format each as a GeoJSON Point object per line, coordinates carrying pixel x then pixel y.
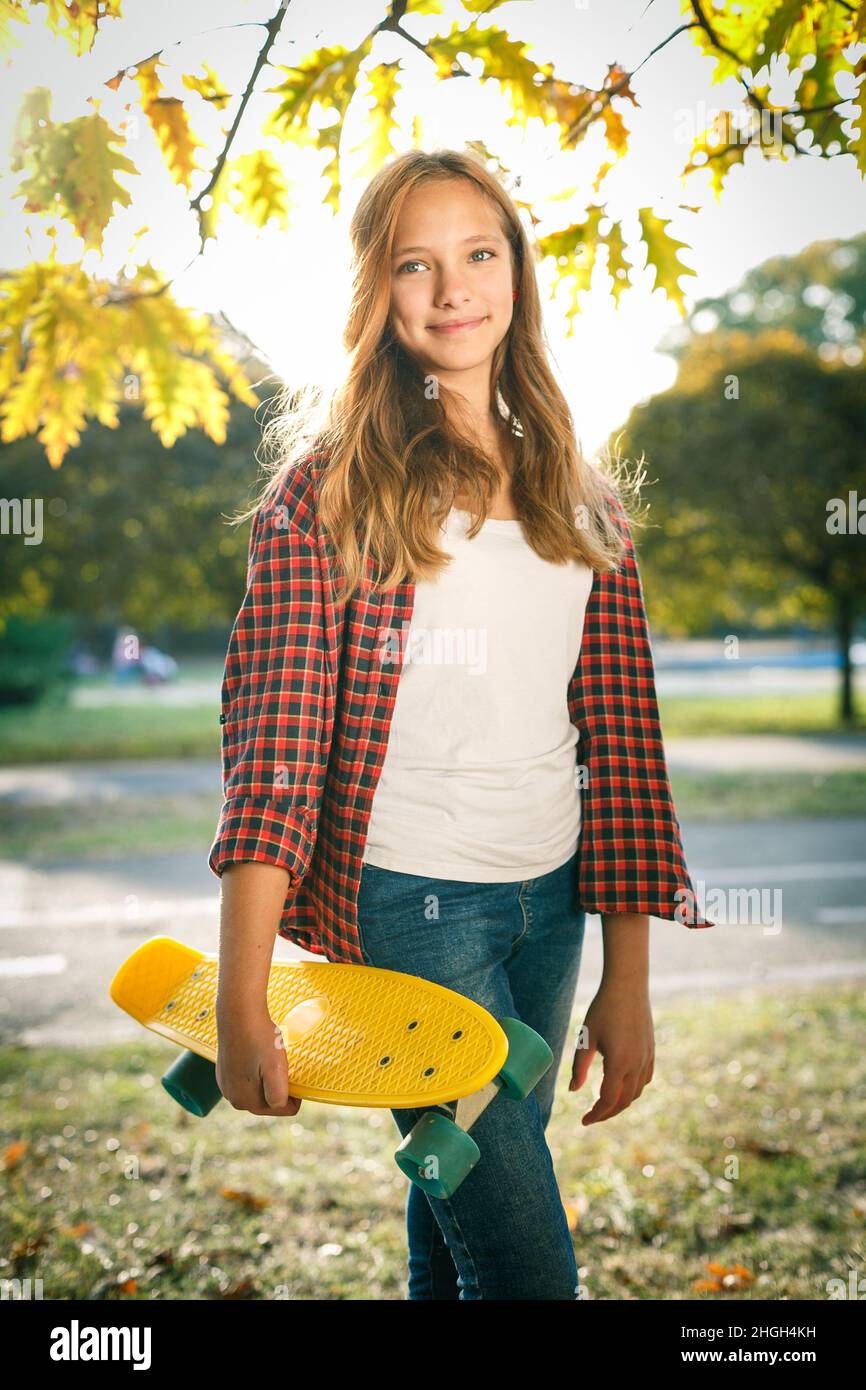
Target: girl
{"type": "Point", "coordinates": [420, 805]}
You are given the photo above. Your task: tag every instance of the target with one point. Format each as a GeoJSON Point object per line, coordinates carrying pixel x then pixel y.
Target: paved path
{"type": "Point", "coordinates": [790, 906]}
{"type": "Point", "coordinates": [55, 783]}
{"type": "Point", "coordinates": [768, 753]}
{"type": "Point", "coordinates": [790, 895]}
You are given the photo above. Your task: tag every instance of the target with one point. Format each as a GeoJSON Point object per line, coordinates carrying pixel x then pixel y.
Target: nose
{"type": "Point", "coordinates": [452, 288]}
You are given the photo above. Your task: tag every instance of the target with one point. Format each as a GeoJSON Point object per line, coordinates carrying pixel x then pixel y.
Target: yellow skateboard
{"type": "Point", "coordinates": [354, 1035]}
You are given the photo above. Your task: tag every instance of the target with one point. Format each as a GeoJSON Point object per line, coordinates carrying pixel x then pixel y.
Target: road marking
{"type": "Point", "coordinates": [132, 911]}
{"type": "Point", "coordinates": [843, 868]}
{"type": "Point", "coordinates": [758, 976]}
{"type": "Point", "coordinates": [23, 966]}
{"type": "Point", "coordinates": [129, 911]}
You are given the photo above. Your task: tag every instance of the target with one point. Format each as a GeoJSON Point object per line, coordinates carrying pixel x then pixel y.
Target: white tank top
{"type": "Point", "coordinates": [479, 781]}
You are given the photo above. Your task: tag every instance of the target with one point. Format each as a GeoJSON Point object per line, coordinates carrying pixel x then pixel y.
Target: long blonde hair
{"type": "Point", "coordinates": [392, 461]}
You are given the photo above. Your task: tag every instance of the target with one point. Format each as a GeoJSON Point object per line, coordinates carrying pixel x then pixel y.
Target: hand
{"type": "Point", "coordinates": [619, 1025]}
{"type": "Point", "coordinates": [251, 1067]}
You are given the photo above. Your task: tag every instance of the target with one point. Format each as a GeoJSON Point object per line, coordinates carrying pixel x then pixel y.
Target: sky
{"type": "Point", "coordinates": [287, 289]}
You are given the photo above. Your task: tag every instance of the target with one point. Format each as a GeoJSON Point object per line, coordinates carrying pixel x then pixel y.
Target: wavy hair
{"type": "Point", "coordinates": [393, 459]}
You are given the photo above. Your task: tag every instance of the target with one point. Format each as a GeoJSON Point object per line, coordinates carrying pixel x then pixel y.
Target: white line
{"type": "Point", "coordinates": [842, 914]}
{"type": "Point", "coordinates": [756, 977]}
{"type": "Point", "coordinates": [131, 911]}
{"type": "Point", "coordinates": [127, 911]}
{"type": "Point", "coordinates": [23, 966]}
{"type": "Point", "coordinates": [855, 868]}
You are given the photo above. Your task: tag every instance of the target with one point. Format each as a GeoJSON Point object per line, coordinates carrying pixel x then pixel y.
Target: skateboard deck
{"type": "Point", "coordinates": [353, 1034]}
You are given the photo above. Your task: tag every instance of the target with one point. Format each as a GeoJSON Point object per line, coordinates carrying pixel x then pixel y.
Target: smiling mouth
{"type": "Point", "coordinates": [459, 327]}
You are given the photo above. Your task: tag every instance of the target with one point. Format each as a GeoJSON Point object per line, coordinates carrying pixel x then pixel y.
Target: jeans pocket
{"type": "Point", "coordinates": [391, 909]}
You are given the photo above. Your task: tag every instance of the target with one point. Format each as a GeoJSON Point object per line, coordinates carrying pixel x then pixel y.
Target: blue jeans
{"type": "Point", "coordinates": [515, 949]}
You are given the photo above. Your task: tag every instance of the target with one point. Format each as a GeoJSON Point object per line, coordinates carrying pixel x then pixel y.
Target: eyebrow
{"type": "Point", "coordinates": [481, 236]}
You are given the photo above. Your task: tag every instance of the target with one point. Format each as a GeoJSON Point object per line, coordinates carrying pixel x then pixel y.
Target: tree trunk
{"type": "Point", "coordinates": [845, 633]}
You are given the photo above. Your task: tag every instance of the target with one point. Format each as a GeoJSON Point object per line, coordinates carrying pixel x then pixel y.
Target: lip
{"type": "Point", "coordinates": [456, 326]}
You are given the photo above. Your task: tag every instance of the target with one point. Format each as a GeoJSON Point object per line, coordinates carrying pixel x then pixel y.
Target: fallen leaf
{"type": "Point", "coordinates": [14, 1153]}
{"type": "Point", "coordinates": [248, 1199]}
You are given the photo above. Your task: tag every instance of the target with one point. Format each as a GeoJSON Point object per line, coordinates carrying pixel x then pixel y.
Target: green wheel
{"type": "Point", "coordinates": [528, 1059]}
{"type": "Point", "coordinates": [437, 1155]}
{"type": "Point", "coordinates": [191, 1081]}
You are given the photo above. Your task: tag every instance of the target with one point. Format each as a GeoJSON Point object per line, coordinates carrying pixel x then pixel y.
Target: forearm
{"type": "Point", "coordinates": [626, 948]}
{"type": "Point", "coordinates": [251, 904]}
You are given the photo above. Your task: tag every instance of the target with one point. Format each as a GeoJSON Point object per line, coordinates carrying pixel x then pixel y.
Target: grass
{"type": "Point", "coordinates": [61, 734]}
{"type": "Point", "coordinates": [744, 1154]}
{"type": "Point", "coordinates": [709, 715]}
{"type": "Point", "coordinates": [756, 796]}
{"type": "Point", "coordinates": [57, 733]}
{"type": "Point", "coordinates": [98, 830]}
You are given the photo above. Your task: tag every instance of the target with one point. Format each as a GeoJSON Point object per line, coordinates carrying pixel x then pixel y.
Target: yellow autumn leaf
{"type": "Point", "coordinates": [662, 252]}
{"type": "Point", "coordinates": [170, 123]}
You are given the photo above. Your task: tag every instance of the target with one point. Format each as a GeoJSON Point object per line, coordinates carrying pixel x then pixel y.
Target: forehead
{"type": "Point", "coordinates": [446, 209]}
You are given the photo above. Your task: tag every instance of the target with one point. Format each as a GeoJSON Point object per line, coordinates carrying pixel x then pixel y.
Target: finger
{"type": "Point", "coordinates": [264, 1110]}
{"type": "Point", "coordinates": [291, 1108]}
{"type": "Point", "coordinates": [580, 1071]}
{"type": "Point", "coordinates": [275, 1084]}
{"type": "Point", "coordinates": [275, 1089]}
{"type": "Point", "coordinates": [583, 1058]}
{"type": "Point", "coordinates": [611, 1088]}
{"type": "Point", "coordinates": [627, 1095]}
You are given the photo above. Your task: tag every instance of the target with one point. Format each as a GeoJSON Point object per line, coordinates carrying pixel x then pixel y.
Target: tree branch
{"type": "Point", "coordinates": [272, 29]}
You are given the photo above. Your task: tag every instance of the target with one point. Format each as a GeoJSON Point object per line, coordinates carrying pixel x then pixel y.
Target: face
{"type": "Point", "coordinates": [451, 279]}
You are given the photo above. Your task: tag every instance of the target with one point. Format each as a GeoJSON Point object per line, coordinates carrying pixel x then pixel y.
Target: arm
{"type": "Point", "coordinates": [250, 906]}
{"type": "Point", "coordinates": [274, 718]}
{"type": "Point", "coordinates": [626, 949]}
{"type": "Point", "coordinates": [251, 1063]}
{"type": "Point", "coordinates": [618, 1022]}
{"type": "Point", "coordinates": [632, 865]}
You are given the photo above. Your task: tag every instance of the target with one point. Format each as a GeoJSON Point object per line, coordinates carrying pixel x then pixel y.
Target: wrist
{"type": "Point", "coordinates": [626, 951]}
{"type": "Point", "coordinates": [625, 981]}
{"type": "Point", "coordinates": [242, 1007]}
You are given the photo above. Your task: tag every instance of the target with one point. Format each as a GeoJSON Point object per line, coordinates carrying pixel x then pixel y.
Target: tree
{"type": "Point", "coordinates": [138, 534]}
{"type": "Point", "coordinates": [758, 442]}
{"type": "Point", "coordinates": [819, 294]}
{"type": "Point", "coordinates": [75, 342]}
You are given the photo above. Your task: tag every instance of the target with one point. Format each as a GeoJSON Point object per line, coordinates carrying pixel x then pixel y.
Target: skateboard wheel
{"type": "Point", "coordinates": [437, 1154]}
{"type": "Point", "coordinates": [191, 1081]}
{"type": "Point", "coordinates": [528, 1058]}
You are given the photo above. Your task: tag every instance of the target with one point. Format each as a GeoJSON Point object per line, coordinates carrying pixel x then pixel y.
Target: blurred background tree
{"type": "Point", "coordinates": [758, 444]}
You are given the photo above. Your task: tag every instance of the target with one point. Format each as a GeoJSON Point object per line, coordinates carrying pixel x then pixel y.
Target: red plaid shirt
{"type": "Point", "coordinates": [307, 698]}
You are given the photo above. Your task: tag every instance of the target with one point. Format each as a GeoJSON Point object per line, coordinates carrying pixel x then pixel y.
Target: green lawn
{"type": "Point", "coordinates": [58, 733]}
{"type": "Point", "coordinates": [745, 1153]}
{"type": "Point", "coordinates": [710, 715]}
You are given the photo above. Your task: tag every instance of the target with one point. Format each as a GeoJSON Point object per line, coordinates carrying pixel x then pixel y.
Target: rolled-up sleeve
{"type": "Point", "coordinates": [632, 858]}
{"type": "Point", "coordinates": [273, 705]}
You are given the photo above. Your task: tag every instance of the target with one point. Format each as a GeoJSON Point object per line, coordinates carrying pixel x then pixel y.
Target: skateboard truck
{"type": "Point", "coordinates": [439, 1152]}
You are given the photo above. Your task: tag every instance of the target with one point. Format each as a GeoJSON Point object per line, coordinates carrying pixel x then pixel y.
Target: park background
{"type": "Point", "coordinates": [176, 186]}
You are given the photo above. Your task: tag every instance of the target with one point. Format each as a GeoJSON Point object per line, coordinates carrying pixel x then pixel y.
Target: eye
{"type": "Point", "coordinates": [479, 251]}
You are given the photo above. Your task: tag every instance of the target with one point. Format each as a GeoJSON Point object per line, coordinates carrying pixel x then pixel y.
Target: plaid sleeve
{"type": "Point", "coordinates": [631, 857]}
{"type": "Point", "coordinates": [273, 705]}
